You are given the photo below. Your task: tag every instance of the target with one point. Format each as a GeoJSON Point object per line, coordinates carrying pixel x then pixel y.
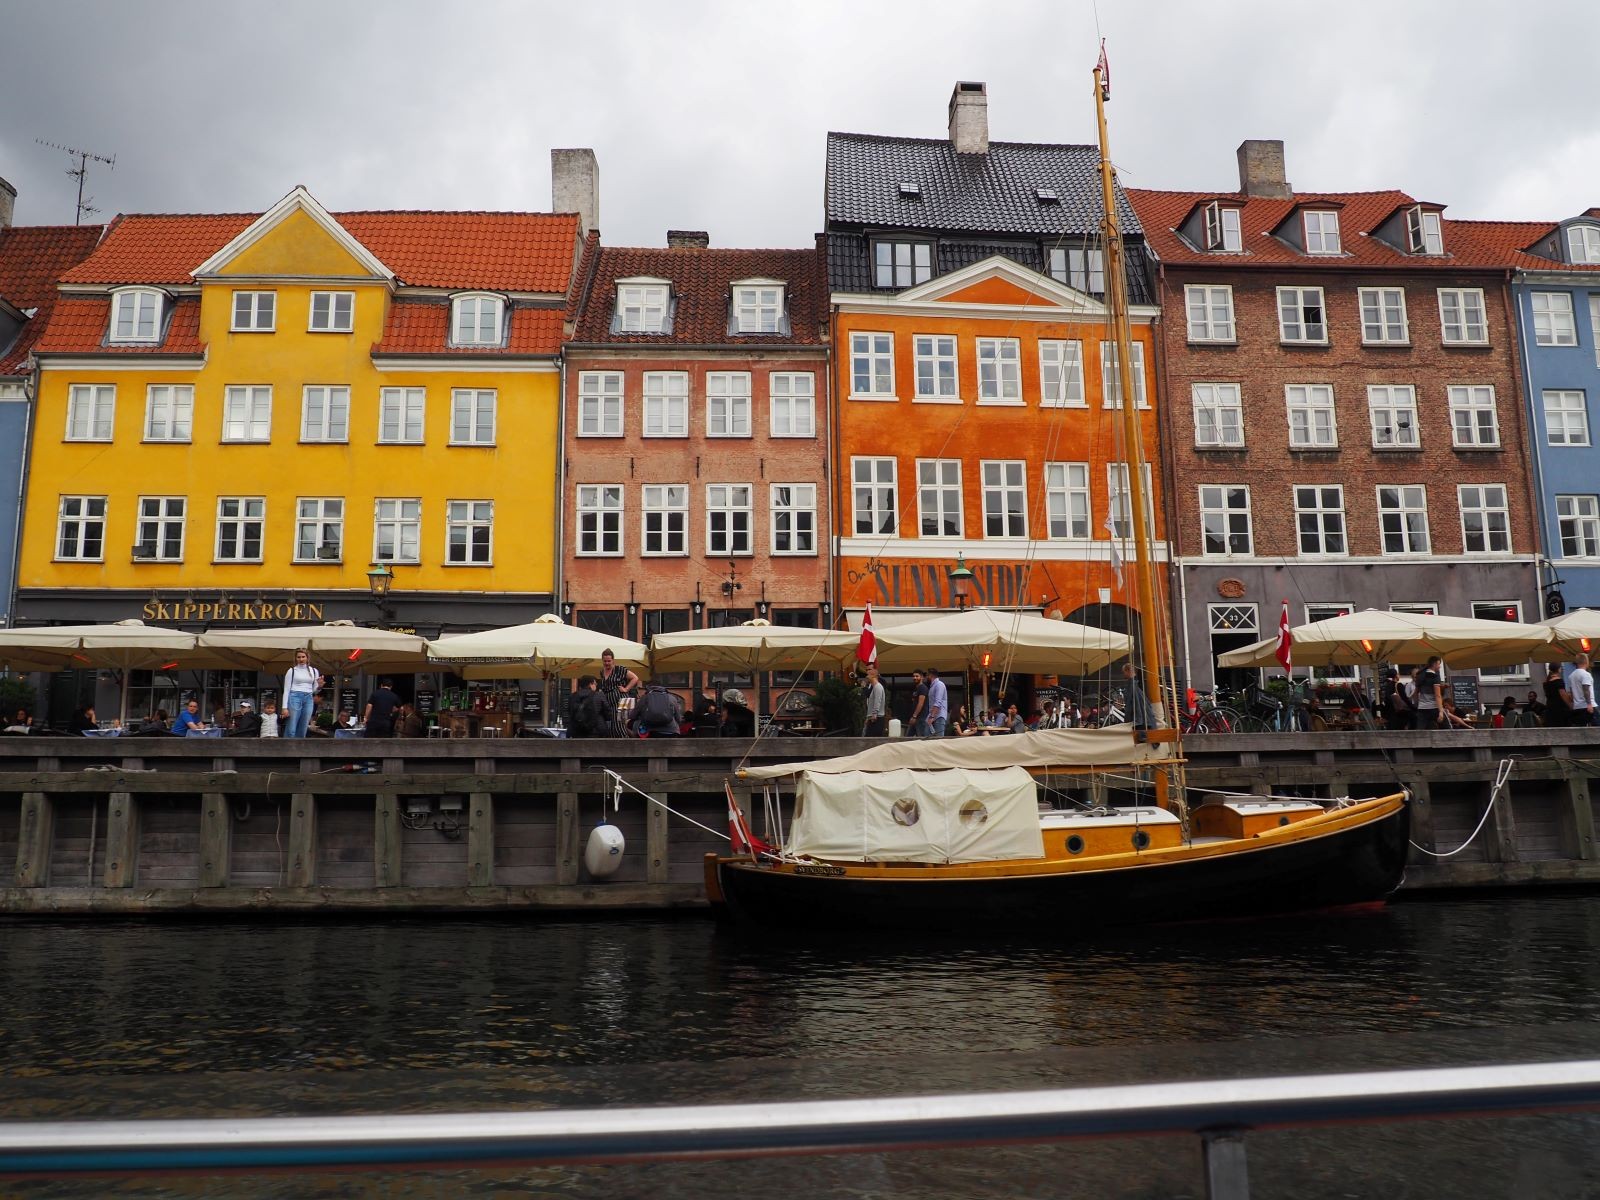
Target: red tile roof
{"type": "Point", "coordinates": [701, 279]}
{"type": "Point", "coordinates": [32, 258]}
{"type": "Point", "coordinates": [417, 327]}
{"type": "Point", "coordinates": [79, 325]}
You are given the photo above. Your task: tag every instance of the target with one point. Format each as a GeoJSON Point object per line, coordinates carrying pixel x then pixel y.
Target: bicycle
{"type": "Point", "coordinates": [1209, 716]}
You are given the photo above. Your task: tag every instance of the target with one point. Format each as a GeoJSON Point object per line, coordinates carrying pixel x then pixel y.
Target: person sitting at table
{"type": "Point", "coordinates": [591, 715]}
{"type": "Point", "coordinates": [737, 719]}
{"type": "Point", "coordinates": [246, 722]}
{"type": "Point", "coordinates": [21, 723]}
{"type": "Point", "coordinates": [411, 725]}
{"type": "Point", "coordinates": [659, 713]}
{"type": "Point", "coordinates": [189, 718]}
{"type": "Point", "coordinates": [154, 725]}
{"type": "Point", "coordinates": [82, 720]}
{"type": "Point", "coordinates": [1507, 714]}
{"type": "Point", "coordinates": [1449, 718]}
{"type": "Point", "coordinates": [1534, 708]}
{"type": "Point", "coordinates": [708, 713]}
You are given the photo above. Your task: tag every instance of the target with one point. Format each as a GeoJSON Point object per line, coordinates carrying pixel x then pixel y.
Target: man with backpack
{"type": "Point", "coordinates": [591, 716]}
{"type": "Point", "coordinates": [659, 712]}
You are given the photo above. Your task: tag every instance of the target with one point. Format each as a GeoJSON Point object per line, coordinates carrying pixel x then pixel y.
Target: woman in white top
{"type": "Point", "coordinates": [300, 687]}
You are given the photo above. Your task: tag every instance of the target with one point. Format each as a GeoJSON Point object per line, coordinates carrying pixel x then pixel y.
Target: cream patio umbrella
{"type": "Point", "coordinates": [336, 647]}
{"type": "Point", "coordinates": [1373, 636]}
{"type": "Point", "coordinates": [1574, 633]}
{"type": "Point", "coordinates": [1019, 642]}
{"type": "Point", "coordinates": [546, 646]}
{"type": "Point", "coordinates": [752, 648]}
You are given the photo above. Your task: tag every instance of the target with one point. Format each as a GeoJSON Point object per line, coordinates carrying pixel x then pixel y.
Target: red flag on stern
{"type": "Point", "coordinates": [867, 649]}
{"type": "Point", "coordinates": [1285, 640]}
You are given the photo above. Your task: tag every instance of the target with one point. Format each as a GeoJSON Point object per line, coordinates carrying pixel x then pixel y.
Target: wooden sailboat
{"type": "Point", "coordinates": [963, 833]}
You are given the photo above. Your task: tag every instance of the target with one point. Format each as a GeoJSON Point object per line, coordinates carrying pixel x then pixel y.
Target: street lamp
{"type": "Point", "coordinates": [379, 579]}
{"type": "Point", "coordinates": [960, 577]}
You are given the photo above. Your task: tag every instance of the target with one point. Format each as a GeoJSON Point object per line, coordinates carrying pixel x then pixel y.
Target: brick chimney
{"type": "Point", "coordinates": [687, 239]}
{"type": "Point", "coordinates": [1261, 170]}
{"type": "Point", "coordinates": [969, 118]}
{"type": "Point", "coordinates": [8, 203]}
{"type": "Point", "coordinates": [575, 187]}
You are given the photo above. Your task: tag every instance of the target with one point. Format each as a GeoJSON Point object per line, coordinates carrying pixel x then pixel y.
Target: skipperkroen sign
{"type": "Point", "coordinates": [297, 612]}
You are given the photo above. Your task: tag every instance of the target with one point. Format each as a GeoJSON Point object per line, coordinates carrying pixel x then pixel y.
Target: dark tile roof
{"type": "Point", "coordinates": [701, 282]}
{"type": "Point", "coordinates": [32, 259]}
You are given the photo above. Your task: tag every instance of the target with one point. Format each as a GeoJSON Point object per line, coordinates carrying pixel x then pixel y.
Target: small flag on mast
{"type": "Point", "coordinates": [867, 648]}
{"type": "Point", "coordinates": [1116, 554]}
{"type": "Point", "coordinates": [1285, 640]}
{"type": "Point", "coordinates": [1104, 68]}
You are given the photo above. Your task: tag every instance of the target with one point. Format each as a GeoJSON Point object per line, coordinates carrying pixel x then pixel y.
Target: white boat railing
{"type": "Point", "coordinates": [1220, 1111]}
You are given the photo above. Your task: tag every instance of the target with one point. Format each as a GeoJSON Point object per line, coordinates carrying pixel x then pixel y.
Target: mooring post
{"type": "Point", "coordinates": [216, 839]}
{"type": "Point", "coordinates": [302, 870]}
{"type": "Point", "coordinates": [386, 840]}
{"type": "Point", "coordinates": [1581, 807]}
{"type": "Point", "coordinates": [566, 837]}
{"type": "Point", "coordinates": [1227, 1175]}
{"type": "Point", "coordinates": [34, 836]}
{"type": "Point", "coordinates": [480, 839]}
{"type": "Point", "coordinates": [1421, 817]}
{"type": "Point", "coordinates": [122, 839]}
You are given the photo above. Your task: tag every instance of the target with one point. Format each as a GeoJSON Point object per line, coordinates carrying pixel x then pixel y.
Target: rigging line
{"type": "Point", "coordinates": [620, 782]}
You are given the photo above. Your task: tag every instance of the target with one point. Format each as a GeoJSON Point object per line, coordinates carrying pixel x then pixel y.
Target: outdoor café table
{"type": "Point", "coordinates": [102, 733]}
{"type": "Point", "coordinates": [214, 731]}
{"type": "Point", "coordinates": [350, 733]}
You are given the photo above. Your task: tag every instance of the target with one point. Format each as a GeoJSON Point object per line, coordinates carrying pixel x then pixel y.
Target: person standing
{"type": "Point", "coordinates": [938, 704]}
{"type": "Point", "coordinates": [1581, 686]}
{"type": "Point", "coordinates": [1139, 711]}
{"type": "Point", "coordinates": [301, 683]}
{"type": "Point", "coordinates": [1557, 700]}
{"type": "Point", "coordinates": [1429, 694]}
{"type": "Point", "coordinates": [877, 723]}
{"type": "Point", "coordinates": [916, 726]}
{"type": "Point", "coordinates": [614, 681]}
{"type": "Point", "coordinates": [269, 719]}
{"type": "Point", "coordinates": [378, 717]}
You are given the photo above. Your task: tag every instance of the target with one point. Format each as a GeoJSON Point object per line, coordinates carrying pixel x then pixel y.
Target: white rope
{"type": "Point", "coordinates": [1500, 778]}
{"type": "Point", "coordinates": [619, 783]}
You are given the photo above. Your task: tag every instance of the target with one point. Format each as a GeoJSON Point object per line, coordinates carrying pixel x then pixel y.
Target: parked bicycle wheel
{"type": "Point", "coordinates": [1218, 720]}
{"type": "Point", "coordinates": [1251, 724]}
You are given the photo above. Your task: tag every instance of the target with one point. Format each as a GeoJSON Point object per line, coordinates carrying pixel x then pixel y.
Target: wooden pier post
{"type": "Point", "coordinates": [122, 839]}
{"type": "Point", "coordinates": [34, 836]}
{"type": "Point", "coordinates": [480, 839]}
{"type": "Point", "coordinates": [386, 841]}
{"type": "Point", "coordinates": [655, 840]}
{"type": "Point", "coordinates": [302, 840]}
{"type": "Point", "coordinates": [216, 839]}
{"type": "Point", "coordinates": [566, 837]}
{"type": "Point", "coordinates": [1576, 781]}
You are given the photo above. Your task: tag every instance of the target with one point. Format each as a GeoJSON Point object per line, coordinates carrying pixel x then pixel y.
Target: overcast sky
{"type": "Point", "coordinates": [712, 115]}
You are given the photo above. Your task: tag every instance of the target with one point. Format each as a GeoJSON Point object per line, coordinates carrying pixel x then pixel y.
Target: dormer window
{"type": "Point", "coordinates": [1322, 232]}
{"type": "Point", "coordinates": [901, 264]}
{"type": "Point", "coordinates": [1424, 233]}
{"type": "Point", "coordinates": [758, 307]}
{"type": "Point", "coordinates": [1222, 228]}
{"type": "Point", "coordinates": [477, 320]}
{"type": "Point", "coordinates": [1583, 243]}
{"type": "Point", "coordinates": [136, 316]}
{"type": "Point", "coordinates": [1047, 195]}
{"type": "Point", "coordinates": [1079, 268]}
{"type": "Point", "coordinates": [642, 307]}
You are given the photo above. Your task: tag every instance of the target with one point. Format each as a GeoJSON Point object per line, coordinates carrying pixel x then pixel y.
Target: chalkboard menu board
{"type": "Point", "coordinates": [427, 703]}
{"type": "Point", "coordinates": [348, 699]}
{"type": "Point", "coordinates": [533, 704]}
{"type": "Point", "coordinates": [1464, 693]}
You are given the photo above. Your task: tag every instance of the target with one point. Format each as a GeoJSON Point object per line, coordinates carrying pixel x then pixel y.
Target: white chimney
{"type": "Point", "coordinates": [969, 118]}
{"type": "Point", "coordinates": [575, 187]}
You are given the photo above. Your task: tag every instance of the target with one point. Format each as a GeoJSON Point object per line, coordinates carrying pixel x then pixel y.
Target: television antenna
{"type": "Point", "coordinates": [81, 172]}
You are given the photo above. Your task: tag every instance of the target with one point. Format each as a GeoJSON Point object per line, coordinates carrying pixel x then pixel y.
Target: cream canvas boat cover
{"type": "Point", "coordinates": [917, 816]}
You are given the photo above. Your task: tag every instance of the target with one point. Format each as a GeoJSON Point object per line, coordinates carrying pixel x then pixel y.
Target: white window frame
{"type": "Point", "coordinates": [1328, 520]}
{"type": "Point", "coordinates": [1310, 400]}
{"type": "Point", "coordinates": [1210, 312]}
{"type": "Point", "coordinates": [999, 371]}
{"type": "Point", "coordinates": [794, 519]}
{"type": "Point", "coordinates": [900, 264]}
{"type": "Point", "coordinates": [230, 543]}
{"type": "Point", "coordinates": [322, 516]}
{"type": "Point", "coordinates": [1220, 516]}
{"type": "Point", "coordinates": [1410, 500]}
{"type": "Point", "coordinates": [792, 404]}
{"type": "Point", "coordinates": [1424, 232]}
{"type": "Point", "coordinates": [1594, 324]}
{"type": "Point", "coordinates": [91, 412]}
{"type": "Point", "coordinates": [1578, 523]}
{"type": "Point", "coordinates": [758, 307]}
{"type": "Point", "coordinates": [1297, 332]}
{"type": "Point", "coordinates": [1566, 416]}
{"type": "Point", "coordinates": [1583, 243]}
{"type": "Point", "coordinates": [1493, 514]}
{"type": "Point", "coordinates": [1554, 323]}
{"type": "Point", "coordinates": [1005, 498]}
{"type": "Point", "coordinates": [144, 309]}
{"type": "Point", "coordinates": [1214, 404]}
{"type": "Point", "coordinates": [474, 416]}
{"type": "Point", "coordinates": [164, 518]}
{"type": "Point", "coordinates": [726, 503]}
{"type": "Point", "coordinates": [940, 497]}
{"type": "Point", "coordinates": [1463, 319]}
{"type": "Point", "coordinates": [1326, 611]}
{"type": "Point", "coordinates": [254, 312]}
{"type": "Point", "coordinates": [935, 356]}
{"type": "Point", "coordinates": [1321, 228]}
{"type": "Point", "coordinates": [600, 508]}
{"type": "Point", "coordinates": [169, 412]}
{"type": "Point", "coordinates": [728, 406]}
{"type": "Point", "coordinates": [331, 312]}
{"type": "Point", "coordinates": [872, 359]}
{"type": "Point", "coordinates": [664, 412]}
{"type": "Point", "coordinates": [1222, 228]}
{"type": "Point", "coordinates": [398, 519]}
{"type": "Point", "coordinates": [643, 307]}
{"type": "Point", "coordinates": [875, 495]}
{"type": "Point", "coordinates": [1068, 506]}
{"type": "Point", "coordinates": [1469, 402]}
{"type": "Point", "coordinates": [1383, 316]}
{"type": "Point", "coordinates": [86, 517]}
{"type": "Point", "coordinates": [600, 400]}
{"type": "Point", "coordinates": [403, 409]}
{"type": "Point", "coordinates": [324, 413]}
{"type": "Point", "coordinates": [477, 319]}
{"type": "Point", "coordinates": [1392, 416]}
{"type": "Point", "coordinates": [1061, 373]}
{"type": "Point", "coordinates": [1111, 379]}
{"type": "Point", "coordinates": [462, 520]}
{"type": "Point", "coordinates": [247, 413]}
{"type": "Point", "coordinates": [664, 520]}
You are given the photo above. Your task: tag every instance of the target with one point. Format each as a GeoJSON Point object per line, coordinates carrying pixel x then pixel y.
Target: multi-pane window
{"type": "Point", "coordinates": [1066, 499]}
{"type": "Point", "coordinates": [1461, 316]}
{"type": "Point", "coordinates": [728, 518]}
{"type": "Point", "coordinates": [1579, 521]}
{"type": "Point", "coordinates": [600, 518]}
{"type": "Point", "coordinates": [1005, 499]}
{"type": "Point", "coordinates": [793, 404]}
{"type": "Point", "coordinates": [136, 316]}
{"type": "Point", "coordinates": [1327, 612]}
{"type": "Point", "coordinates": [1080, 268]}
{"type": "Point", "coordinates": [999, 371]}
{"type": "Point", "coordinates": [160, 531]}
{"type": "Point", "coordinates": [400, 414]}
{"type": "Point", "coordinates": [1222, 228]}
{"type": "Point", "coordinates": [600, 404]}
{"type": "Point", "coordinates": [758, 309]}
{"type": "Point", "coordinates": [901, 264]}
{"type": "Point", "coordinates": [1301, 315]}
{"type": "Point", "coordinates": [1210, 313]}
{"type": "Point", "coordinates": [1111, 376]}
{"type": "Point", "coordinates": [472, 416]}
{"type": "Point", "coordinates": [1319, 519]}
{"type": "Point", "coordinates": [469, 533]}
{"type": "Point", "coordinates": [476, 320]}
{"type": "Point", "coordinates": [91, 412]}
{"type": "Point", "coordinates": [1218, 414]}
{"type": "Point", "coordinates": [794, 518]}
{"type": "Point", "coordinates": [1383, 315]}
{"type": "Point", "coordinates": [873, 492]}
{"type": "Point", "coordinates": [1311, 421]}
{"type": "Point", "coordinates": [1322, 232]}
{"type": "Point", "coordinates": [665, 508]}
{"type": "Point", "coordinates": [81, 529]}
{"type": "Point", "coordinates": [666, 404]}
{"type": "Point", "coordinates": [1553, 324]}
{"type": "Point", "coordinates": [1424, 234]}
{"type": "Point", "coordinates": [1224, 520]}
{"type": "Point", "coordinates": [1583, 243]}
{"type": "Point", "coordinates": [239, 523]}
{"type": "Point", "coordinates": [319, 529]}
{"type": "Point", "coordinates": [1393, 412]}
{"type": "Point", "coordinates": [255, 312]}
{"type": "Point", "coordinates": [1566, 418]}
{"type": "Point", "coordinates": [728, 404]}
{"type": "Point", "coordinates": [939, 497]}
{"type": "Point", "coordinates": [1403, 519]}
{"type": "Point", "coordinates": [1473, 422]}
{"type": "Point", "coordinates": [247, 414]}
{"type": "Point", "coordinates": [641, 308]}
{"type": "Point", "coordinates": [325, 414]}
{"type": "Point", "coordinates": [332, 312]}
{"type": "Point", "coordinates": [1485, 518]}
{"type": "Point", "coordinates": [872, 364]}
{"type": "Point", "coordinates": [169, 412]}
{"type": "Point", "coordinates": [396, 530]}
{"type": "Point", "coordinates": [1060, 374]}
{"type": "Point", "coordinates": [935, 360]}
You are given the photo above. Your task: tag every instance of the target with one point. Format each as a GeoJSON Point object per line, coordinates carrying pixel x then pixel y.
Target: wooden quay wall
{"type": "Point", "coordinates": [147, 825]}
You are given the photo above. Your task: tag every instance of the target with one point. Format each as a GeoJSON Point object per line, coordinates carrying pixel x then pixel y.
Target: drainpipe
{"type": "Point", "coordinates": [1536, 486]}
{"type": "Point", "coordinates": [558, 551]}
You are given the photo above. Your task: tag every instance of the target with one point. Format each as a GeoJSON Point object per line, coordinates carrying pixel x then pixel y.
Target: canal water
{"type": "Point", "coordinates": [120, 1019]}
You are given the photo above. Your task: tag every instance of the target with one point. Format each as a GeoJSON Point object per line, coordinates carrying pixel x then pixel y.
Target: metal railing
{"type": "Point", "coordinates": [1219, 1111]}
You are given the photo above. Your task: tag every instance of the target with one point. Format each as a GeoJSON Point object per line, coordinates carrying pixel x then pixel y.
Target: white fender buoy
{"type": "Point", "coordinates": [603, 855]}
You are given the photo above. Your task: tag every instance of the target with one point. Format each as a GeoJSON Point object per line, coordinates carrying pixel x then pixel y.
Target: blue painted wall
{"type": "Point", "coordinates": [13, 447]}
